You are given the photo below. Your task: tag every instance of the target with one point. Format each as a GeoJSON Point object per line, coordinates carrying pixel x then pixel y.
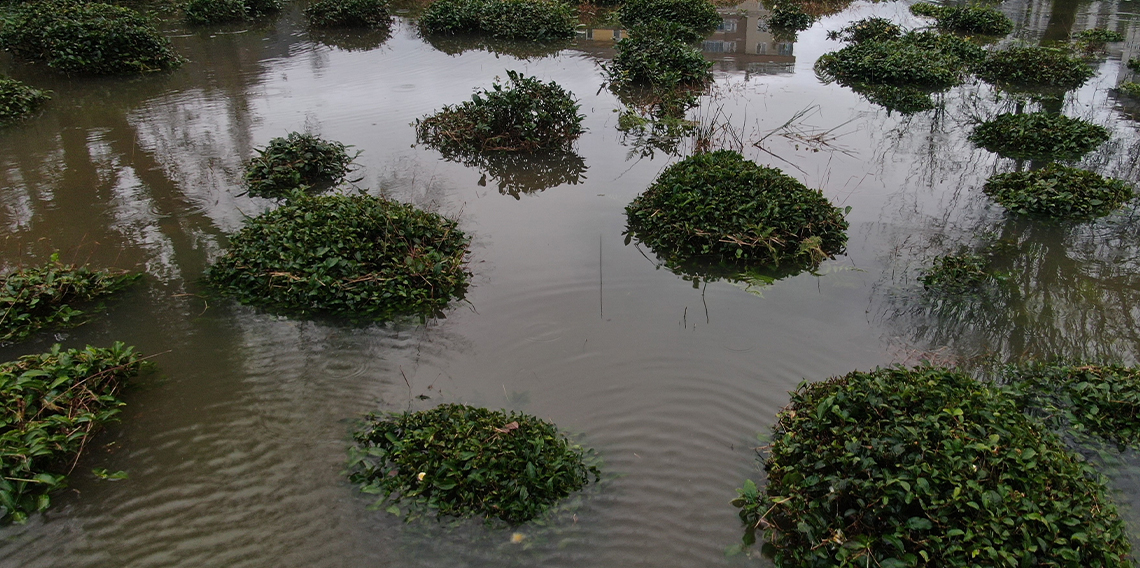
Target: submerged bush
{"type": "Point", "coordinates": [1134, 64]}
{"type": "Point", "coordinates": [46, 296]}
{"type": "Point", "coordinates": [349, 14]}
{"type": "Point", "coordinates": [18, 100]}
{"type": "Point", "coordinates": [1035, 68]}
{"type": "Point", "coordinates": [659, 60]}
{"type": "Point", "coordinates": [905, 100]}
{"type": "Point", "coordinates": [722, 205]}
{"type": "Point", "coordinates": [360, 257]}
{"type": "Point", "coordinates": [525, 116]}
{"type": "Point", "coordinates": [958, 273]}
{"type": "Point", "coordinates": [688, 20]}
{"type": "Point", "coordinates": [1098, 36]}
{"type": "Point", "coordinates": [789, 16]}
{"type": "Point", "coordinates": [502, 19]}
{"type": "Point", "coordinates": [463, 461]}
{"type": "Point", "coordinates": [974, 19]}
{"type": "Point", "coordinates": [50, 406]}
{"type": "Point", "coordinates": [209, 12]}
{"type": "Point", "coordinates": [1091, 402]}
{"type": "Point", "coordinates": [867, 29]}
{"type": "Point", "coordinates": [1058, 191]}
{"type": "Point", "coordinates": [86, 37]}
{"type": "Point", "coordinates": [296, 162]}
{"type": "Point", "coordinates": [927, 466]}
{"type": "Point", "coordinates": [915, 59]}
{"type": "Point", "coordinates": [1130, 88]}
{"type": "Point", "coordinates": [1039, 135]}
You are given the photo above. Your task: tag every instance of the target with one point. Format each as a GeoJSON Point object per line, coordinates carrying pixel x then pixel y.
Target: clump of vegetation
{"type": "Point", "coordinates": [973, 19]}
{"type": "Point", "coordinates": [1134, 64]}
{"type": "Point", "coordinates": [905, 100]}
{"type": "Point", "coordinates": [502, 19]}
{"type": "Point", "coordinates": [1059, 192]}
{"type": "Point", "coordinates": [1039, 135]}
{"type": "Point", "coordinates": [361, 257]}
{"type": "Point", "coordinates": [1035, 68]}
{"type": "Point", "coordinates": [789, 16]}
{"type": "Point", "coordinates": [900, 467]}
{"type": "Point", "coordinates": [35, 298]}
{"type": "Point", "coordinates": [514, 173]}
{"type": "Point", "coordinates": [661, 61]}
{"type": "Point", "coordinates": [525, 116]}
{"type": "Point", "coordinates": [959, 273]}
{"type": "Point", "coordinates": [86, 37]}
{"type": "Point", "coordinates": [298, 162]}
{"type": "Point", "coordinates": [210, 12]}
{"type": "Point", "coordinates": [349, 14]}
{"type": "Point", "coordinates": [520, 49]}
{"type": "Point", "coordinates": [687, 20]}
{"type": "Point", "coordinates": [18, 100]}
{"type": "Point", "coordinates": [721, 205]}
{"type": "Point", "coordinates": [50, 406]}
{"type": "Point", "coordinates": [1098, 36]}
{"type": "Point", "coordinates": [867, 29]}
{"type": "Point", "coordinates": [1130, 88]}
{"type": "Point", "coordinates": [464, 461]}
{"type": "Point", "coordinates": [1091, 402]}
{"type": "Point", "coordinates": [916, 59]}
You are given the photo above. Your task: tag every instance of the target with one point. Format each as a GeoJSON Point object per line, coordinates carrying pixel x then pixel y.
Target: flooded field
{"type": "Point", "coordinates": [235, 447]}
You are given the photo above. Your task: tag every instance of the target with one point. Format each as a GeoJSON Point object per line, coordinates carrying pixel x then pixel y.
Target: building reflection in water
{"type": "Point", "coordinates": [742, 42]}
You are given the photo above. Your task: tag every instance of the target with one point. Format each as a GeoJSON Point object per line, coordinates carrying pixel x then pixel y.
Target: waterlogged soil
{"type": "Point", "coordinates": [234, 451]}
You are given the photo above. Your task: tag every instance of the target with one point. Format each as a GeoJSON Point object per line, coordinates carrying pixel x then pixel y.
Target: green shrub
{"type": "Point", "coordinates": [296, 162]}
{"type": "Point", "coordinates": [349, 14]}
{"type": "Point", "coordinates": [915, 59]}
{"type": "Point", "coordinates": [87, 37]}
{"type": "Point", "coordinates": [502, 19]}
{"type": "Point", "coordinates": [867, 29]}
{"type": "Point", "coordinates": [1090, 402]}
{"type": "Point", "coordinates": [50, 406]}
{"type": "Point", "coordinates": [525, 116]}
{"type": "Point", "coordinates": [661, 61]}
{"type": "Point", "coordinates": [18, 100]}
{"type": "Point", "coordinates": [1130, 88]}
{"type": "Point", "coordinates": [789, 17]}
{"type": "Point", "coordinates": [34, 298]}
{"type": "Point", "coordinates": [209, 12]}
{"type": "Point", "coordinates": [1035, 68]}
{"type": "Point", "coordinates": [974, 19]}
{"type": "Point", "coordinates": [360, 257]}
{"type": "Point", "coordinates": [688, 20]}
{"type": "Point", "coordinates": [720, 204]}
{"type": "Point", "coordinates": [1098, 36]}
{"type": "Point", "coordinates": [1134, 64]}
{"type": "Point", "coordinates": [1039, 135]}
{"type": "Point", "coordinates": [1058, 191]}
{"type": "Point", "coordinates": [463, 461]}
{"type": "Point", "coordinates": [925, 467]}
{"type": "Point", "coordinates": [958, 273]}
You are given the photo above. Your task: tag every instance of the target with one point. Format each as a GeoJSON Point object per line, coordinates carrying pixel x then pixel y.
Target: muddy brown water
{"type": "Point", "coordinates": [234, 449]}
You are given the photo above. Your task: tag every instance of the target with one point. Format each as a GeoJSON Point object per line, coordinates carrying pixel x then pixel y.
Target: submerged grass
{"type": "Point", "coordinates": [720, 205]}
{"type": "Point", "coordinates": [899, 467]}
{"type": "Point", "coordinates": [959, 273]}
{"type": "Point", "coordinates": [50, 406]}
{"type": "Point", "coordinates": [32, 299]}
{"type": "Point", "coordinates": [359, 257]}
{"type": "Point", "coordinates": [1039, 135]}
{"type": "Point", "coordinates": [1059, 192]}
{"type": "Point", "coordinates": [465, 461]}
{"type": "Point", "coordinates": [18, 100]}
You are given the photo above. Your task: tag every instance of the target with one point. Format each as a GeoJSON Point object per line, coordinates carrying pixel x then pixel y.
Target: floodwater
{"type": "Point", "coordinates": [235, 447]}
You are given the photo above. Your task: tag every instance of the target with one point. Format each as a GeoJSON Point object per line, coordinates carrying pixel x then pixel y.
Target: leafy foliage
{"type": "Point", "coordinates": [958, 273]}
{"type": "Point", "coordinates": [927, 466]}
{"type": "Point", "coordinates": [660, 60]}
{"type": "Point", "coordinates": [1134, 64]}
{"type": "Point", "coordinates": [296, 162]}
{"type": "Point", "coordinates": [1035, 68]}
{"type": "Point", "coordinates": [463, 461]}
{"type": "Point", "coordinates": [525, 116]}
{"type": "Point", "coordinates": [360, 257]}
{"type": "Point", "coordinates": [972, 19]}
{"type": "Point", "coordinates": [34, 298]}
{"type": "Point", "coordinates": [18, 100]}
{"type": "Point", "coordinates": [914, 59]}
{"type": "Point", "coordinates": [867, 29]}
{"type": "Point", "coordinates": [1130, 88]}
{"type": "Point", "coordinates": [86, 37]}
{"type": "Point", "coordinates": [1098, 36]}
{"type": "Point", "coordinates": [1088, 401]}
{"type": "Point", "coordinates": [502, 19]}
{"type": "Point", "coordinates": [686, 20]}
{"type": "Point", "coordinates": [719, 204]}
{"type": "Point", "coordinates": [514, 174]}
{"type": "Point", "coordinates": [349, 14]}
{"type": "Point", "coordinates": [209, 12]}
{"type": "Point", "coordinates": [50, 405]}
{"type": "Point", "coordinates": [1039, 135]}
{"type": "Point", "coordinates": [789, 16]}
{"type": "Point", "coordinates": [905, 100]}
{"type": "Point", "coordinates": [1058, 191]}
